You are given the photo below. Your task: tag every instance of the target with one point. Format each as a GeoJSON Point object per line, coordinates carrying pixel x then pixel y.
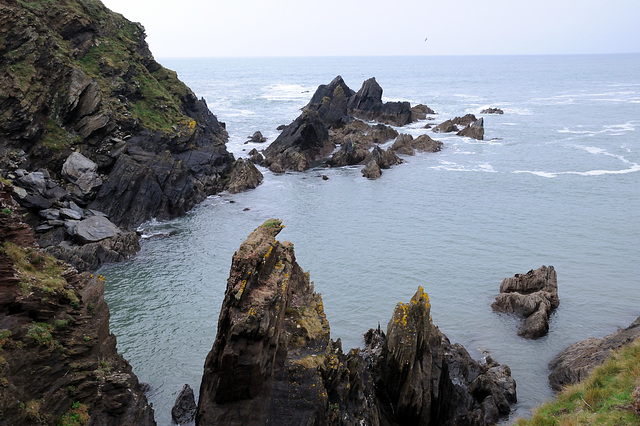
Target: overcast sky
{"type": "Point", "coordinates": [214, 28]}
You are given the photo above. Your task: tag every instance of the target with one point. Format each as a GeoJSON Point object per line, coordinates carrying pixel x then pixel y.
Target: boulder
{"type": "Point", "coordinates": [492, 111]}
{"type": "Point", "coordinates": [402, 145]}
{"type": "Point", "coordinates": [474, 130]}
{"type": "Point", "coordinates": [447, 126]}
{"type": "Point", "coordinates": [532, 296]}
{"type": "Point", "coordinates": [273, 360]}
{"type": "Point", "coordinates": [304, 141]}
{"type": "Point", "coordinates": [257, 138]}
{"type": "Point", "coordinates": [405, 144]}
{"type": "Point", "coordinates": [385, 159]}
{"type": "Point", "coordinates": [244, 175]}
{"type": "Point", "coordinates": [420, 111]}
{"type": "Point", "coordinates": [77, 165]}
{"type": "Point", "coordinates": [184, 409]}
{"type": "Point", "coordinates": [95, 228]}
{"type": "Point", "coordinates": [371, 170]}
{"type": "Point", "coordinates": [255, 157]}
{"type": "Point", "coordinates": [34, 183]}
{"type": "Point", "coordinates": [348, 155]}
{"type": "Point", "coordinates": [576, 362]}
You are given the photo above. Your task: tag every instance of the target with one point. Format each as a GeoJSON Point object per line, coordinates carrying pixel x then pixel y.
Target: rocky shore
{"type": "Point", "coordinates": [93, 127]}
{"type": "Point", "coordinates": [273, 360]}
{"type": "Point", "coordinates": [58, 359]}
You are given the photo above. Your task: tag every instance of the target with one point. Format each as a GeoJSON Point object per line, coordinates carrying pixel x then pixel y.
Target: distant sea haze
{"type": "Point", "coordinates": [555, 182]}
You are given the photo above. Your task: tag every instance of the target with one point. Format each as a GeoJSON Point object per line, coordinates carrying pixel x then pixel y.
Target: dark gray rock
{"type": "Point", "coordinates": [255, 157]}
{"type": "Point", "coordinates": [348, 155]}
{"type": "Point", "coordinates": [77, 165]}
{"type": "Point", "coordinates": [50, 214]}
{"type": "Point", "coordinates": [492, 111]}
{"type": "Point", "coordinates": [95, 228]}
{"type": "Point", "coordinates": [532, 296]}
{"type": "Point", "coordinates": [304, 141]}
{"type": "Point", "coordinates": [330, 102]}
{"type": "Point", "coordinates": [420, 111]}
{"type": "Point", "coordinates": [67, 213]}
{"type": "Point", "coordinates": [34, 183]}
{"type": "Point", "coordinates": [257, 138]}
{"type": "Point", "coordinates": [577, 361]}
{"type": "Point", "coordinates": [184, 409]}
{"type": "Point", "coordinates": [474, 130]}
{"type": "Point", "coordinates": [367, 104]}
{"type": "Point", "coordinates": [385, 159]}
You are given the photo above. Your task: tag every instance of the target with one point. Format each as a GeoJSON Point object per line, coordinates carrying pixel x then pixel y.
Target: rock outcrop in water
{"type": "Point", "coordinates": [273, 360]}
{"type": "Point", "coordinates": [90, 120]}
{"type": "Point", "coordinates": [472, 127]}
{"type": "Point", "coordinates": [333, 117]}
{"type": "Point", "coordinates": [58, 360]}
{"type": "Point", "coordinates": [578, 360]}
{"type": "Point", "coordinates": [533, 296]}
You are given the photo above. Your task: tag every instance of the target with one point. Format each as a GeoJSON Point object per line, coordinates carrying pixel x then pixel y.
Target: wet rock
{"type": "Point", "coordinates": [532, 296]}
{"type": "Point", "coordinates": [385, 158]}
{"type": "Point", "coordinates": [407, 145]}
{"type": "Point", "coordinates": [273, 360]}
{"type": "Point", "coordinates": [304, 141]}
{"type": "Point", "coordinates": [244, 175]}
{"type": "Point", "coordinates": [255, 157]}
{"type": "Point", "coordinates": [330, 102]}
{"type": "Point", "coordinates": [348, 155]}
{"type": "Point", "coordinates": [257, 138]}
{"type": "Point", "coordinates": [371, 170]}
{"type": "Point", "coordinates": [95, 228]}
{"type": "Point", "coordinates": [492, 111]}
{"type": "Point", "coordinates": [420, 111]}
{"type": "Point", "coordinates": [367, 104]}
{"type": "Point", "coordinates": [474, 130]}
{"type": "Point", "coordinates": [576, 362]}
{"type": "Point", "coordinates": [184, 409]}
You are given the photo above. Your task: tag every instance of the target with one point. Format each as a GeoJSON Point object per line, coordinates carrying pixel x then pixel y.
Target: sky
{"type": "Point", "coordinates": [250, 28]}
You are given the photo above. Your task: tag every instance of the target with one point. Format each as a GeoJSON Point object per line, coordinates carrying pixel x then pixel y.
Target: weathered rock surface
{"type": "Point", "coordinates": [492, 111]}
{"type": "Point", "coordinates": [59, 359]}
{"type": "Point", "coordinates": [300, 144]}
{"type": "Point", "coordinates": [367, 104]}
{"type": "Point", "coordinates": [333, 117]}
{"type": "Point", "coordinates": [257, 138]}
{"type": "Point", "coordinates": [89, 113]}
{"type": "Point", "coordinates": [532, 296]}
{"type": "Point", "coordinates": [273, 360]}
{"type": "Point", "coordinates": [244, 175]}
{"type": "Point", "coordinates": [474, 130]}
{"type": "Point", "coordinates": [407, 145]}
{"type": "Point", "coordinates": [577, 361]}
{"type": "Point", "coordinates": [184, 409]}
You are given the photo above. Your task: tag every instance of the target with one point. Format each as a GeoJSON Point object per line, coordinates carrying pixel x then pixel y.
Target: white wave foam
{"type": "Point", "coordinates": [455, 167]}
{"type": "Point", "coordinates": [634, 168]}
{"type": "Point", "coordinates": [287, 92]}
{"type": "Point", "coordinates": [238, 113]}
{"type": "Point", "coordinates": [549, 175]}
{"type": "Point", "coordinates": [611, 129]}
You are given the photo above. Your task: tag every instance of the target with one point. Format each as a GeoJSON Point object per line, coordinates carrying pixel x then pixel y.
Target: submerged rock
{"type": "Point", "coordinates": [532, 296]}
{"type": "Point", "coordinates": [492, 111]}
{"type": "Point", "coordinates": [273, 360]}
{"type": "Point", "coordinates": [576, 362]}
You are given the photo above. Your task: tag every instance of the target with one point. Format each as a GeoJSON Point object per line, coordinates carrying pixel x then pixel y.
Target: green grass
{"type": "Point", "coordinates": [78, 415]}
{"type": "Point", "coordinates": [604, 398]}
{"type": "Point", "coordinates": [36, 269]}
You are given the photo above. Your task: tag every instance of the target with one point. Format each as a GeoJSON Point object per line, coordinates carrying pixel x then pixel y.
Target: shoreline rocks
{"type": "Point", "coordinates": [577, 361]}
{"type": "Point", "coordinates": [532, 296]}
{"type": "Point", "coordinates": [273, 359]}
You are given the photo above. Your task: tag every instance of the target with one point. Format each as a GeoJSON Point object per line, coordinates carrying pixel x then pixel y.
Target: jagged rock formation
{"type": "Point", "coordinates": [90, 118]}
{"type": "Point", "coordinates": [472, 127]}
{"type": "Point", "coordinates": [184, 410]}
{"type": "Point", "coordinates": [578, 360]}
{"type": "Point", "coordinates": [273, 360]}
{"type": "Point", "coordinates": [58, 360]}
{"type": "Point", "coordinates": [492, 111]}
{"type": "Point", "coordinates": [407, 145]}
{"type": "Point", "coordinates": [533, 296]}
{"type": "Point", "coordinates": [334, 117]}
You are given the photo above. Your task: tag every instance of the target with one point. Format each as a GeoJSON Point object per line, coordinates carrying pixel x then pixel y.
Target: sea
{"type": "Point", "coordinates": [556, 181]}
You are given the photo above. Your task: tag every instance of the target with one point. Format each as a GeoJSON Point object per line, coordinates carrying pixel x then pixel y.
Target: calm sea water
{"type": "Point", "coordinates": [555, 183]}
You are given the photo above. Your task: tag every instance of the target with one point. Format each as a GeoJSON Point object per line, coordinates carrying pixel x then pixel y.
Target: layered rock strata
{"type": "Point", "coordinates": [273, 360]}
{"type": "Point", "coordinates": [532, 296]}
{"type": "Point", "coordinates": [333, 117]}
{"type": "Point", "coordinates": [91, 122]}
{"type": "Point", "coordinates": [58, 359]}
{"type": "Point", "coordinates": [578, 360]}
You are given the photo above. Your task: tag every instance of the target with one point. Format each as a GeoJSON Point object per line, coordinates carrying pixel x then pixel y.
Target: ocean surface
{"type": "Point", "coordinates": [555, 182]}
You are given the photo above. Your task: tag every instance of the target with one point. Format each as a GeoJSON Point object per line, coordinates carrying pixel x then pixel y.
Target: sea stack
{"type": "Point", "coordinates": [273, 360]}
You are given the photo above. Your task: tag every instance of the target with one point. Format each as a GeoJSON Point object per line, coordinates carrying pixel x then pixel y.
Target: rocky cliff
{"type": "Point", "coordinates": [90, 121]}
{"type": "Point", "coordinates": [273, 360]}
{"type": "Point", "coordinates": [334, 116]}
{"type": "Point", "coordinates": [58, 360]}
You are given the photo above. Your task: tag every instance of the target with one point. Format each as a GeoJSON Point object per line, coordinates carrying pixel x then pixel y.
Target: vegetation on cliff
{"type": "Point", "coordinates": [58, 359]}
{"type": "Point", "coordinates": [610, 395]}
